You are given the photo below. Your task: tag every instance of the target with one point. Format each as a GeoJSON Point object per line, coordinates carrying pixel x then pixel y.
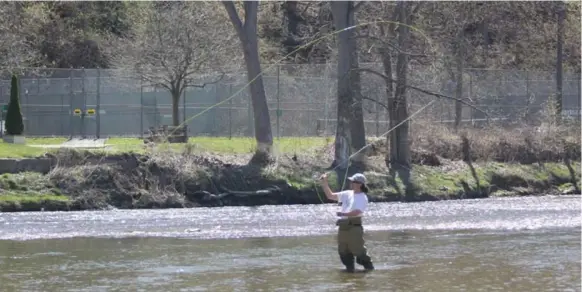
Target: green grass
{"type": "Point", "coordinates": [224, 145]}
{"type": "Point", "coordinates": [8, 150]}
{"type": "Point", "coordinates": [33, 202]}
{"type": "Point", "coordinates": [497, 179]}
{"type": "Point", "coordinates": [31, 198]}
{"type": "Point", "coordinates": [30, 191]}
{"type": "Point", "coordinates": [18, 151]}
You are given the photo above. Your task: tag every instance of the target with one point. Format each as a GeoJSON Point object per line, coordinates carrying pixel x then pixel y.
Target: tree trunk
{"type": "Point", "coordinates": [350, 134]}
{"type": "Point", "coordinates": [247, 33]}
{"type": "Point", "coordinates": [175, 107]}
{"type": "Point", "coordinates": [387, 64]}
{"type": "Point", "coordinates": [459, 57]}
{"type": "Point", "coordinates": [559, 57]}
{"type": "Point", "coordinates": [400, 147]}
{"type": "Point", "coordinates": [261, 116]}
{"type": "Point", "coordinates": [292, 18]}
{"type": "Point", "coordinates": [357, 127]}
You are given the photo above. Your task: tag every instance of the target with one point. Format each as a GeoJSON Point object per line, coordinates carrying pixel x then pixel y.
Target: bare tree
{"type": "Point", "coordinates": [16, 48]}
{"type": "Point", "coordinates": [455, 53]}
{"type": "Point", "coordinates": [350, 133]}
{"type": "Point", "coordinates": [559, 56]}
{"type": "Point", "coordinates": [247, 33]}
{"type": "Point", "coordinates": [174, 45]}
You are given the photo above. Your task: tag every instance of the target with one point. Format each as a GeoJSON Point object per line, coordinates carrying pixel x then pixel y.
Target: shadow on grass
{"type": "Point", "coordinates": [466, 147]}
{"type": "Point", "coordinates": [573, 176]}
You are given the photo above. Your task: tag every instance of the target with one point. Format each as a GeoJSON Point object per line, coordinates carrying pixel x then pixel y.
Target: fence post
{"type": "Point", "coordinates": [98, 105]}
{"type": "Point", "coordinates": [230, 112]}
{"type": "Point", "coordinates": [530, 103]}
{"type": "Point", "coordinates": [376, 108]}
{"type": "Point", "coordinates": [141, 131]}
{"type": "Point", "coordinates": [84, 109]}
{"type": "Point", "coordinates": [155, 109]}
{"type": "Point", "coordinates": [71, 97]}
{"type": "Point", "coordinates": [217, 129]}
{"type": "Point", "coordinates": [184, 104]}
{"type": "Point", "coordinates": [325, 114]}
{"type": "Point", "coordinates": [278, 102]}
{"type": "Point", "coordinates": [250, 117]}
{"type": "Point", "coordinates": [471, 95]}
{"type": "Point", "coordinates": [24, 104]}
{"type": "Point", "coordinates": [63, 115]}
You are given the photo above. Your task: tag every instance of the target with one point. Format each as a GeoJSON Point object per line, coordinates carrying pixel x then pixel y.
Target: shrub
{"type": "Point", "coordinates": [14, 124]}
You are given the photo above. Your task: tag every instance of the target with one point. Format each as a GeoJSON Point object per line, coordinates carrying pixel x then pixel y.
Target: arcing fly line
{"type": "Point", "coordinates": [315, 41]}
{"type": "Point", "coordinates": [370, 144]}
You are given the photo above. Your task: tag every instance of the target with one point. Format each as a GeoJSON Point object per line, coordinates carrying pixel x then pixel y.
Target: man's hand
{"type": "Point", "coordinates": [323, 179]}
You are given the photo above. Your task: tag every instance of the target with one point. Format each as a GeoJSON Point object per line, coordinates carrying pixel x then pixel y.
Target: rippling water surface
{"type": "Point", "coordinates": [518, 244]}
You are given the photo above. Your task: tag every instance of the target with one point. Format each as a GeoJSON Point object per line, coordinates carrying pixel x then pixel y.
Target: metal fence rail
{"type": "Point", "coordinates": [301, 100]}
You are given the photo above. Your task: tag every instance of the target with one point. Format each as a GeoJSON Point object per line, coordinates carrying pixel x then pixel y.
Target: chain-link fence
{"type": "Point", "coordinates": [301, 100]}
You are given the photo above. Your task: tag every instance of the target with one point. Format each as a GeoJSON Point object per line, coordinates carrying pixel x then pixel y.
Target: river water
{"type": "Point", "coordinates": [513, 244]}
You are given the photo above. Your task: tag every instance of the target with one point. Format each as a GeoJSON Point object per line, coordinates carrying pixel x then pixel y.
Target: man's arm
{"type": "Point", "coordinates": [327, 190]}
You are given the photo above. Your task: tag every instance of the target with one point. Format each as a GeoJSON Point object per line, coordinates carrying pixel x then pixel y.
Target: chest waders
{"type": "Point", "coordinates": [350, 244]}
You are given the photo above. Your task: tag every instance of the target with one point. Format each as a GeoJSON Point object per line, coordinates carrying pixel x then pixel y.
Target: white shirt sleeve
{"type": "Point", "coordinates": [341, 196]}
{"type": "Point", "coordinates": [360, 203]}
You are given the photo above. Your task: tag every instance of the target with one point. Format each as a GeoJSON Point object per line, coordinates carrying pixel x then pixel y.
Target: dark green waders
{"type": "Point", "coordinates": [350, 239]}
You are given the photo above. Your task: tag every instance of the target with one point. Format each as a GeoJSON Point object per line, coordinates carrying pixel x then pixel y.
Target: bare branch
{"type": "Point", "coordinates": [375, 101]}
{"type": "Point", "coordinates": [175, 45]}
{"type": "Point", "coordinates": [233, 15]}
{"type": "Point", "coordinates": [357, 5]}
{"type": "Point", "coordinates": [218, 79]}
{"type": "Point", "coordinates": [420, 89]}
{"type": "Point", "coordinates": [387, 43]}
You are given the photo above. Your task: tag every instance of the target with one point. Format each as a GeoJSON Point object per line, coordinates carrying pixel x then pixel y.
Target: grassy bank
{"type": "Point", "coordinates": [177, 180]}
{"type": "Point", "coordinates": [236, 145]}
{"type": "Point", "coordinates": [214, 171]}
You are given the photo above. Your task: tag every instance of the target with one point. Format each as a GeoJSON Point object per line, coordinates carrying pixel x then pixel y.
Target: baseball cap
{"type": "Point", "coordinates": [358, 177]}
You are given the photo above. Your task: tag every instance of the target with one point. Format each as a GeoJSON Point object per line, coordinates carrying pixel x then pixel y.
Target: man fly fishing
{"type": "Point", "coordinates": [350, 236]}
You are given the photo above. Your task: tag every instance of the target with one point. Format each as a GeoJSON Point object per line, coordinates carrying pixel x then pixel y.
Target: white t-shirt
{"type": "Point", "coordinates": [351, 201]}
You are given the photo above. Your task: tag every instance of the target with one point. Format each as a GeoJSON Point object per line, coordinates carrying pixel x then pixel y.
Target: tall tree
{"type": "Point", "coordinates": [559, 59]}
{"type": "Point", "coordinates": [246, 29]}
{"type": "Point", "coordinates": [175, 44]}
{"type": "Point", "coordinates": [350, 132]}
{"type": "Point", "coordinates": [400, 146]}
{"type": "Point", "coordinates": [394, 39]}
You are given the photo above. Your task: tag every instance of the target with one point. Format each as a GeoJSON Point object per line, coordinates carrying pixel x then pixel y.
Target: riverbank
{"type": "Point", "coordinates": [191, 176]}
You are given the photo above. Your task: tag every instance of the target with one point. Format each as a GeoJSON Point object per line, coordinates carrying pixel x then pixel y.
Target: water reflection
{"type": "Point", "coordinates": [543, 256]}
{"type": "Point", "coordinates": [411, 261]}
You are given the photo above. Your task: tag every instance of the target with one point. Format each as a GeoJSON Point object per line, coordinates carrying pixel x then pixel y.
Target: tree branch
{"type": "Point", "coordinates": [208, 83]}
{"type": "Point", "coordinates": [420, 89]}
{"type": "Point", "coordinates": [355, 8]}
{"type": "Point", "coordinates": [391, 46]}
{"type": "Point", "coordinates": [234, 17]}
{"type": "Point", "coordinates": [375, 101]}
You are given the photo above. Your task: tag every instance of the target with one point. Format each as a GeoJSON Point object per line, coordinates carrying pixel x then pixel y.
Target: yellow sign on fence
{"type": "Point", "coordinates": [77, 112]}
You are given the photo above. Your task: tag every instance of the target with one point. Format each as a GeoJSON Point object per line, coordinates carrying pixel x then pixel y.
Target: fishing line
{"type": "Point", "coordinates": [276, 63]}
{"type": "Point", "coordinates": [370, 144]}
{"type": "Point", "coordinates": [310, 43]}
